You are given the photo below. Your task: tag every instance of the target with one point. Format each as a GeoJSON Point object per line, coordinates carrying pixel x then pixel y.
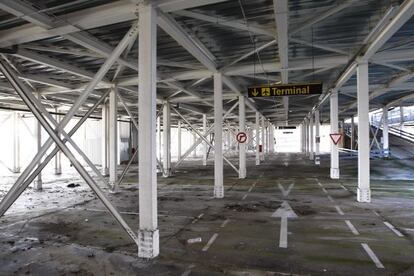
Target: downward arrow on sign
{"type": "Point", "coordinates": [284, 212]}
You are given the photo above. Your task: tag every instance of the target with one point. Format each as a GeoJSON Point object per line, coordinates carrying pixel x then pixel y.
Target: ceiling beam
{"type": "Point", "coordinates": [282, 23]}
{"type": "Point", "coordinates": [383, 89]}
{"type": "Point", "coordinates": [367, 51]}
{"type": "Point", "coordinates": [226, 22]}
{"type": "Point", "coordinates": [171, 27]}
{"type": "Point", "coordinates": [102, 15]}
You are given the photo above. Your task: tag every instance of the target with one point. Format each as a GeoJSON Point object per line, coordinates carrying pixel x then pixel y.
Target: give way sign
{"type": "Point", "coordinates": [335, 137]}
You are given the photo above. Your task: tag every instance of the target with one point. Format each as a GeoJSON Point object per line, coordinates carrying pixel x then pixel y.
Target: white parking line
{"type": "Point", "coordinates": [339, 210]}
{"type": "Point", "coordinates": [250, 189]}
{"type": "Point", "coordinates": [224, 223]}
{"type": "Point", "coordinates": [324, 190]}
{"type": "Point", "coordinates": [376, 213]}
{"type": "Point", "coordinates": [352, 227]}
{"type": "Point", "coordinates": [198, 217]}
{"type": "Point", "coordinates": [244, 197]}
{"type": "Point", "coordinates": [320, 184]}
{"type": "Point", "coordinates": [408, 229]}
{"type": "Point", "coordinates": [343, 187]}
{"type": "Point", "coordinates": [210, 242]}
{"type": "Point", "coordinates": [372, 255]}
{"type": "Point", "coordinates": [330, 198]}
{"type": "Point", "coordinates": [392, 228]}
{"type": "Point", "coordinates": [188, 271]}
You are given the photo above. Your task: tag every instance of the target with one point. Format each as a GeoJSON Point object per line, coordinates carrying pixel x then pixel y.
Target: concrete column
{"type": "Point", "coordinates": [16, 142]}
{"type": "Point", "coordinates": [179, 140]}
{"type": "Point", "coordinates": [134, 140]}
{"type": "Point", "coordinates": [228, 137]}
{"type": "Point", "coordinates": [58, 156]}
{"type": "Point", "coordinates": [401, 117]}
{"type": "Point", "coordinates": [266, 140]}
{"type": "Point", "coordinates": [363, 191]}
{"type": "Point", "coordinates": [302, 137]}
{"type": "Point", "coordinates": [194, 140]}
{"type": "Point", "coordinates": [272, 139]}
{"type": "Point", "coordinates": [263, 139]}
{"type": "Point", "coordinates": [257, 139]}
{"type": "Point", "coordinates": [158, 131]}
{"type": "Point", "coordinates": [317, 138]}
{"type": "Point", "coordinates": [311, 138]}
{"type": "Point", "coordinates": [242, 146]}
{"type": "Point", "coordinates": [385, 138]}
{"type": "Point", "coordinates": [148, 233]}
{"type": "Point", "coordinates": [105, 139]}
{"type": "Point", "coordinates": [166, 138]}
{"type": "Point", "coordinates": [38, 181]}
{"type": "Point", "coordinates": [334, 129]}
{"type": "Point", "coordinates": [218, 136]}
{"type": "Point", "coordinates": [113, 136]}
{"type": "Point", "coordinates": [205, 146]}
{"type": "Point", "coordinates": [352, 132]}
{"type": "Point", "coordinates": [267, 137]}
{"type": "Point", "coordinates": [307, 136]}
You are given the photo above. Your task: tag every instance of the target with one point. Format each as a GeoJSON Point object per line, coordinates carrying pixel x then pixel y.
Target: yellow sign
{"type": "Point", "coordinates": [285, 90]}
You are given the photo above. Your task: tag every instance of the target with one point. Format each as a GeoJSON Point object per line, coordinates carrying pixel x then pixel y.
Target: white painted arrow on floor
{"type": "Point", "coordinates": [284, 212]}
{"type": "Point", "coordinates": [285, 192]}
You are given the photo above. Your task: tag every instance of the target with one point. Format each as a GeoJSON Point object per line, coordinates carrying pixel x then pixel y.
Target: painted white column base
{"type": "Point", "coordinates": [242, 173]}
{"type": "Point", "coordinates": [16, 170]}
{"type": "Point", "coordinates": [38, 184]}
{"type": "Point", "coordinates": [218, 191]}
{"type": "Point", "coordinates": [386, 153]}
{"type": "Point", "coordinates": [58, 171]}
{"type": "Point", "coordinates": [257, 162]}
{"type": "Point", "coordinates": [105, 171]}
{"type": "Point", "coordinates": [317, 160]}
{"type": "Point", "coordinates": [364, 195]}
{"type": "Point", "coordinates": [204, 162]}
{"type": "Point", "coordinates": [148, 243]}
{"type": "Point", "coordinates": [311, 156]}
{"type": "Point", "coordinates": [334, 173]}
{"type": "Point", "coordinates": [166, 173]}
{"type": "Point", "coordinates": [114, 186]}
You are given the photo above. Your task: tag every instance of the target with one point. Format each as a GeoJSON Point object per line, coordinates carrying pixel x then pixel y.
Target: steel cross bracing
{"type": "Point", "coordinates": [90, 42]}
{"type": "Point", "coordinates": [383, 32]}
{"type": "Point", "coordinates": [99, 75]}
{"type": "Point", "coordinates": [201, 139]}
{"type": "Point", "coordinates": [30, 101]}
{"type": "Point", "coordinates": [184, 15]}
{"type": "Point", "coordinates": [38, 110]}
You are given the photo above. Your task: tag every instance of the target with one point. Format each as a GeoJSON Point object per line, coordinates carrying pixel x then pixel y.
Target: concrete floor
{"type": "Point", "coordinates": [65, 231]}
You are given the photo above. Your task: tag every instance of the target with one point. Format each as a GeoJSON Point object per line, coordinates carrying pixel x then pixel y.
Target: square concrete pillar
{"type": "Point", "coordinates": [148, 232]}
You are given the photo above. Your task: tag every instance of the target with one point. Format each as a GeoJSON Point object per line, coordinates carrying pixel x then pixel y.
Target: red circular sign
{"type": "Point", "coordinates": [241, 137]}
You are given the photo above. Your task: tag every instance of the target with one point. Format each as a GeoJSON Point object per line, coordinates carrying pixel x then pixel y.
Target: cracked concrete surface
{"type": "Point", "coordinates": [66, 231]}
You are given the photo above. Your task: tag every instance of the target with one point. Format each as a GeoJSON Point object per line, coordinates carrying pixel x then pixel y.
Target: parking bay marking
{"type": "Point", "coordinates": [393, 229]}
{"type": "Point", "coordinates": [352, 227]}
{"type": "Point", "coordinates": [224, 223]}
{"type": "Point", "coordinates": [210, 242]}
{"type": "Point", "coordinates": [339, 210]}
{"type": "Point", "coordinates": [372, 255]}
